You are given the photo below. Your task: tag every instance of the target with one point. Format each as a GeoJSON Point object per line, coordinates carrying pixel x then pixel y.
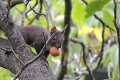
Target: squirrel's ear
{"type": "Point", "coordinates": [53, 29]}
{"type": "Point", "coordinates": [63, 31]}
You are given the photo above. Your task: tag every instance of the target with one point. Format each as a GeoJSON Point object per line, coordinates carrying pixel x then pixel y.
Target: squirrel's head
{"type": "Point", "coordinates": [57, 40]}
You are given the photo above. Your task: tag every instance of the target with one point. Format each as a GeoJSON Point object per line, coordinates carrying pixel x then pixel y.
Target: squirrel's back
{"type": "Point", "coordinates": [37, 35]}
{"type": "Point", "coordinates": [33, 33]}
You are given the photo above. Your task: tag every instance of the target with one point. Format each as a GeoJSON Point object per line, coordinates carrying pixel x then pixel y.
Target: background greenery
{"type": "Point", "coordinates": [83, 25]}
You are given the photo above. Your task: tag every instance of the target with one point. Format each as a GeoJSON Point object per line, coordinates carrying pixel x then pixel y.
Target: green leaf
{"type": "Point", "coordinates": [94, 6]}
{"type": "Point", "coordinates": [114, 55]}
{"type": "Point", "coordinates": [33, 49]}
{"type": "Point", "coordinates": [5, 74]}
{"type": "Point", "coordinates": [78, 12]}
{"type": "Point", "coordinates": [108, 18]}
{"type": "Point", "coordinates": [114, 76]}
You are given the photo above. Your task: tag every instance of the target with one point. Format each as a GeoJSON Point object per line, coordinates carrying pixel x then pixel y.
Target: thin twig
{"type": "Point", "coordinates": [40, 11]}
{"type": "Point", "coordinates": [24, 12]}
{"type": "Point", "coordinates": [102, 48]}
{"type": "Point", "coordinates": [58, 62]}
{"type": "Point", "coordinates": [8, 7]}
{"type": "Point", "coordinates": [37, 15]}
{"type": "Point", "coordinates": [30, 9]}
{"type": "Point", "coordinates": [84, 57]}
{"type": "Point", "coordinates": [111, 68]}
{"type": "Point", "coordinates": [109, 43]}
{"type": "Point", "coordinates": [31, 61]}
{"type": "Point", "coordinates": [40, 14]}
{"type": "Point", "coordinates": [37, 12]}
{"type": "Point", "coordinates": [17, 57]}
{"type": "Point", "coordinates": [105, 52]}
{"type": "Point", "coordinates": [98, 18]}
{"type": "Point", "coordinates": [117, 25]}
{"type": "Point", "coordinates": [4, 49]}
{"type": "Point", "coordinates": [11, 50]}
{"type": "Point", "coordinates": [48, 13]}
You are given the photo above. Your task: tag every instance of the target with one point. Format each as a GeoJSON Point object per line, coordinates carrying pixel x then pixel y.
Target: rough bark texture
{"type": "Point", "coordinates": [38, 70]}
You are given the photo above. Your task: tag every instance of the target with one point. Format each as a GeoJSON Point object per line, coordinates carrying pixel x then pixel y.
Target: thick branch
{"type": "Point", "coordinates": [67, 21]}
{"type": "Point", "coordinates": [7, 59]}
{"type": "Point", "coordinates": [38, 70]}
{"type": "Point", "coordinates": [14, 3]}
{"type": "Point", "coordinates": [14, 36]}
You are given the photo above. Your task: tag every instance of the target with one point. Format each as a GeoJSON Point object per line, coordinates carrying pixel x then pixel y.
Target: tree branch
{"type": "Point", "coordinates": [34, 59]}
{"type": "Point", "coordinates": [84, 58]}
{"type": "Point", "coordinates": [65, 51]}
{"type": "Point", "coordinates": [7, 60]}
{"type": "Point", "coordinates": [117, 25]}
{"type": "Point", "coordinates": [98, 18]}
{"type": "Point", "coordinates": [38, 70]}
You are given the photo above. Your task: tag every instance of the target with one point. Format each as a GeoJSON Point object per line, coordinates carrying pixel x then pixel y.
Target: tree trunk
{"type": "Point", "coordinates": [15, 45]}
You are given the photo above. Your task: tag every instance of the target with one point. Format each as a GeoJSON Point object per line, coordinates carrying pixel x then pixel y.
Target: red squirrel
{"type": "Point", "coordinates": [33, 34]}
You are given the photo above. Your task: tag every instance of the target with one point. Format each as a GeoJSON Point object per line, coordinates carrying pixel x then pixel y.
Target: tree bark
{"type": "Point", "coordinates": [65, 49]}
{"type": "Point", "coordinates": [38, 70]}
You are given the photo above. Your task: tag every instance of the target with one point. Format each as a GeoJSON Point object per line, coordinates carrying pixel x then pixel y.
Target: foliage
{"type": "Point", "coordinates": [5, 74]}
{"type": "Point", "coordinates": [85, 28]}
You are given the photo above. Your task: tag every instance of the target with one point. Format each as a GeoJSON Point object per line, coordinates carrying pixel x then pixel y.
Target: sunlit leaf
{"type": "Point", "coordinates": [108, 18]}
{"type": "Point", "coordinates": [94, 6]}
{"type": "Point", "coordinates": [98, 34]}
{"type": "Point", "coordinates": [85, 30]}
{"type": "Point", "coordinates": [5, 74]}
{"type": "Point", "coordinates": [78, 12]}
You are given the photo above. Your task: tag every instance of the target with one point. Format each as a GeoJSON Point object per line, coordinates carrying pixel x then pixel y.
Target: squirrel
{"type": "Point", "coordinates": [33, 34]}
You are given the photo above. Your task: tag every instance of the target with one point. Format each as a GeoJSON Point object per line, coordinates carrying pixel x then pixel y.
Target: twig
{"type": "Point", "coordinates": [109, 71]}
{"type": "Point", "coordinates": [104, 24]}
{"type": "Point", "coordinates": [105, 52]}
{"type": "Point", "coordinates": [39, 55]}
{"type": "Point", "coordinates": [48, 13]}
{"type": "Point", "coordinates": [4, 49]}
{"type": "Point", "coordinates": [40, 11]}
{"type": "Point", "coordinates": [37, 12]}
{"type": "Point", "coordinates": [95, 56]}
{"type": "Point", "coordinates": [110, 67]}
{"type": "Point", "coordinates": [117, 25]}
{"type": "Point", "coordinates": [98, 18]}
{"type": "Point", "coordinates": [84, 57]}
{"type": "Point", "coordinates": [41, 2]}
{"type": "Point", "coordinates": [24, 12]}
{"type": "Point", "coordinates": [110, 42]}
{"type": "Point", "coordinates": [8, 7]}
{"type": "Point", "coordinates": [17, 57]}
{"type": "Point", "coordinates": [40, 14]}
{"type": "Point", "coordinates": [57, 66]}
{"type": "Point", "coordinates": [11, 50]}
{"type": "Point", "coordinates": [30, 9]}
{"type": "Point", "coordinates": [102, 48]}
{"type": "Point", "coordinates": [37, 15]}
